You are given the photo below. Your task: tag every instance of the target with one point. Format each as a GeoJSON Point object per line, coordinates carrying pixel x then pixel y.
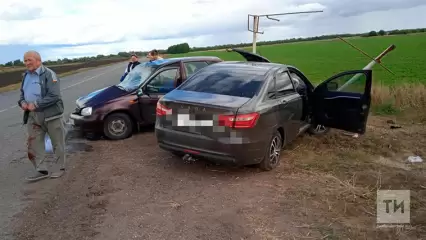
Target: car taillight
{"type": "Point", "coordinates": [162, 110]}
{"type": "Point", "coordinates": [241, 120]}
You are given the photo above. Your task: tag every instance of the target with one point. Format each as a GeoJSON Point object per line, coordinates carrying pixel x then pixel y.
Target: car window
{"type": "Point", "coordinates": [283, 84]}
{"type": "Point", "coordinates": [225, 81]}
{"type": "Point", "coordinates": [296, 80]}
{"type": "Point", "coordinates": [164, 81]}
{"type": "Point", "coordinates": [352, 82]}
{"type": "Point", "coordinates": [271, 90]}
{"type": "Point", "coordinates": [193, 67]}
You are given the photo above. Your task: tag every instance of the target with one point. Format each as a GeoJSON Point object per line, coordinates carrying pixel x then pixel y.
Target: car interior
{"type": "Point", "coordinates": [301, 89]}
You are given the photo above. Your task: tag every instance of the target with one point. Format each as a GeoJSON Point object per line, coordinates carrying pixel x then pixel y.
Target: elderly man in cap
{"type": "Point", "coordinates": [41, 101]}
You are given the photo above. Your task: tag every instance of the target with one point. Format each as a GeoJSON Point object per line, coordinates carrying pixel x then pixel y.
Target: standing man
{"type": "Point", "coordinates": [153, 55]}
{"type": "Point", "coordinates": [43, 108]}
{"type": "Point", "coordinates": [134, 61]}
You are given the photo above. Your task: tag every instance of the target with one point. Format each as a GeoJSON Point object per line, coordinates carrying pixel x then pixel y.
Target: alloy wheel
{"type": "Point", "coordinates": [275, 151]}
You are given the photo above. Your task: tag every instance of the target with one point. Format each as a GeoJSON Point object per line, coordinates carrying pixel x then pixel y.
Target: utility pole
{"type": "Point", "coordinates": [256, 20]}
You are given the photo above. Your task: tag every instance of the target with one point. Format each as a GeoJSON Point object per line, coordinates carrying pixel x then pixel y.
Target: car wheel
{"type": "Point", "coordinates": [318, 129]}
{"type": "Point", "coordinates": [118, 126]}
{"type": "Point", "coordinates": [273, 153]}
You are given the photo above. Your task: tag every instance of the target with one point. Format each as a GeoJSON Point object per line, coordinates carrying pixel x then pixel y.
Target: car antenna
{"type": "Point", "coordinates": [378, 58]}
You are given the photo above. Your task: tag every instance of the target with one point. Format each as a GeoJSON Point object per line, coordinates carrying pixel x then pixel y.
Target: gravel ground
{"type": "Point", "coordinates": [131, 189]}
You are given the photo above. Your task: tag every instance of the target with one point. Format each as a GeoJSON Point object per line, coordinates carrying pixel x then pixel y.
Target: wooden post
{"type": "Point", "coordinates": [255, 31]}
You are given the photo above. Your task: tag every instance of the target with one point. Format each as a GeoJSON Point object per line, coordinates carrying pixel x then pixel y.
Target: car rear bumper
{"type": "Point", "coordinates": [85, 123]}
{"type": "Point", "coordinates": [238, 152]}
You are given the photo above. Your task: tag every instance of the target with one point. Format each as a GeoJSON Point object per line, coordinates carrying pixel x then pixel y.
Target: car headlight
{"type": "Point", "coordinates": [87, 111]}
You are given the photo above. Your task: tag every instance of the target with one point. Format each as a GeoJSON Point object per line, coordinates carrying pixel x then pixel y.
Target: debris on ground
{"type": "Point", "coordinates": [392, 124]}
{"type": "Point", "coordinates": [415, 159]}
{"type": "Point", "coordinates": [354, 135]}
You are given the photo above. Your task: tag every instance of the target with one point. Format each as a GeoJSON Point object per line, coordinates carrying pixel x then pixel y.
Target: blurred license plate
{"type": "Point", "coordinates": [183, 120]}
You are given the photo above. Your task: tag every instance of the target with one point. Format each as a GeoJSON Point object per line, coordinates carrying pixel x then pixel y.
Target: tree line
{"type": "Point", "coordinates": [185, 48]}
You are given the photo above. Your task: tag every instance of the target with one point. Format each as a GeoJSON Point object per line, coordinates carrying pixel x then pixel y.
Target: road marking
{"type": "Point", "coordinates": [72, 85]}
{"type": "Point", "coordinates": [4, 110]}
{"type": "Point", "coordinates": [88, 79]}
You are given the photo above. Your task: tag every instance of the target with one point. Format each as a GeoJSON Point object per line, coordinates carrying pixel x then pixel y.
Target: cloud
{"type": "Point", "coordinates": [60, 28]}
{"type": "Point", "coordinates": [16, 11]}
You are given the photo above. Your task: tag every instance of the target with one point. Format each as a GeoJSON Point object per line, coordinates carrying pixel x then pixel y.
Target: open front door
{"type": "Point", "coordinates": [250, 57]}
{"type": "Point", "coordinates": [343, 101]}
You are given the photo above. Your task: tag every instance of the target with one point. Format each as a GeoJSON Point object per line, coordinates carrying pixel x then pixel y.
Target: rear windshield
{"type": "Point", "coordinates": [226, 81]}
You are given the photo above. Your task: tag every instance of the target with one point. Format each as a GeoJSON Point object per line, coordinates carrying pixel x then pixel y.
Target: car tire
{"type": "Point", "coordinates": [318, 130]}
{"type": "Point", "coordinates": [270, 162]}
{"type": "Point", "coordinates": [118, 126]}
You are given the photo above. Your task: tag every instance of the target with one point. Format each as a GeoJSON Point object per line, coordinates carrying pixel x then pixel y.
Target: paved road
{"type": "Point", "coordinates": [14, 165]}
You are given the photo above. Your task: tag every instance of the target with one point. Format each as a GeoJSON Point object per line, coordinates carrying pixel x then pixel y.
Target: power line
{"type": "Point", "coordinates": [256, 19]}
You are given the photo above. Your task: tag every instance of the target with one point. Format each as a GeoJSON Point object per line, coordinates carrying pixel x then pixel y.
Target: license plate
{"type": "Point", "coordinates": [183, 120]}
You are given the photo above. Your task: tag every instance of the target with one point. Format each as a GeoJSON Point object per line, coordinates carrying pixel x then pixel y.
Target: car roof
{"type": "Point", "coordinates": [167, 61]}
{"type": "Point", "coordinates": [258, 67]}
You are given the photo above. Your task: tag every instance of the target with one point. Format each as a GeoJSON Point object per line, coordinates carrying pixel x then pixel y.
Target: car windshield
{"type": "Point", "coordinates": [136, 77]}
{"type": "Point", "coordinates": [225, 81]}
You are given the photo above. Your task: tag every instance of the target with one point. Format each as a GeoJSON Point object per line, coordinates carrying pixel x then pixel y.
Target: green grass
{"type": "Point", "coordinates": [322, 59]}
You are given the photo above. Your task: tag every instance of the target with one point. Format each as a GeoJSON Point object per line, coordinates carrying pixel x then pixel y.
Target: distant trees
{"type": "Point", "coordinates": [372, 34]}
{"type": "Point", "coordinates": [17, 62]}
{"type": "Point", "coordinates": [178, 48]}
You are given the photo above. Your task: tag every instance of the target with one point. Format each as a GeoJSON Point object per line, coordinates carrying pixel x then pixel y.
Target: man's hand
{"type": "Point", "coordinates": [24, 106]}
{"type": "Point", "coordinates": [31, 107]}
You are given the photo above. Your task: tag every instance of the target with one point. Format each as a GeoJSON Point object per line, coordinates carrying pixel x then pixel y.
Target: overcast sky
{"type": "Point", "coordinates": [74, 28]}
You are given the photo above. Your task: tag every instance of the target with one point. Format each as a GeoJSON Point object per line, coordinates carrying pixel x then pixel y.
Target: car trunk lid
{"type": "Point", "coordinates": [200, 113]}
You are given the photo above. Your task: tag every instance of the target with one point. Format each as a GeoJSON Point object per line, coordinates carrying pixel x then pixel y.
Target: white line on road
{"type": "Point", "coordinates": [72, 85]}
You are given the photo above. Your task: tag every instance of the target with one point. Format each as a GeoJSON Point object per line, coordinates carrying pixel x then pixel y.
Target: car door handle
{"type": "Point", "coordinates": [283, 101]}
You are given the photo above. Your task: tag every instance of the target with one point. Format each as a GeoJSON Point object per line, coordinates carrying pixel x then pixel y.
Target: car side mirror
{"type": "Point", "coordinates": [139, 93]}
{"type": "Point", "coordinates": [332, 86]}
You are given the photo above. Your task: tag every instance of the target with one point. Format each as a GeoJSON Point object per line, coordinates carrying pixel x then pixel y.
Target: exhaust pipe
{"type": "Point", "coordinates": [188, 158]}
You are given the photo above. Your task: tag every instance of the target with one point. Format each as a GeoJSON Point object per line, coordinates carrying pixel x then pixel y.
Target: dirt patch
{"type": "Point", "coordinates": [324, 189]}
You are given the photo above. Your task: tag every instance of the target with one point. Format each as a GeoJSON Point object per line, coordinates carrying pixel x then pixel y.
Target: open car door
{"type": "Point", "coordinates": [343, 101]}
{"type": "Point", "coordinates": [250, 57]}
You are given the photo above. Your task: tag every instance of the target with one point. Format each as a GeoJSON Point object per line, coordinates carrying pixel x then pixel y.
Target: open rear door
{"type": "Point", "coordinates": [343, 101]}
{"type": "Point", "coordinates": [250, 57]}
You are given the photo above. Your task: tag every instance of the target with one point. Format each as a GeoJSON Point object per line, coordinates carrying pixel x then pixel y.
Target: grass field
{"type": "Point", "coordinates": [321, 59]}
